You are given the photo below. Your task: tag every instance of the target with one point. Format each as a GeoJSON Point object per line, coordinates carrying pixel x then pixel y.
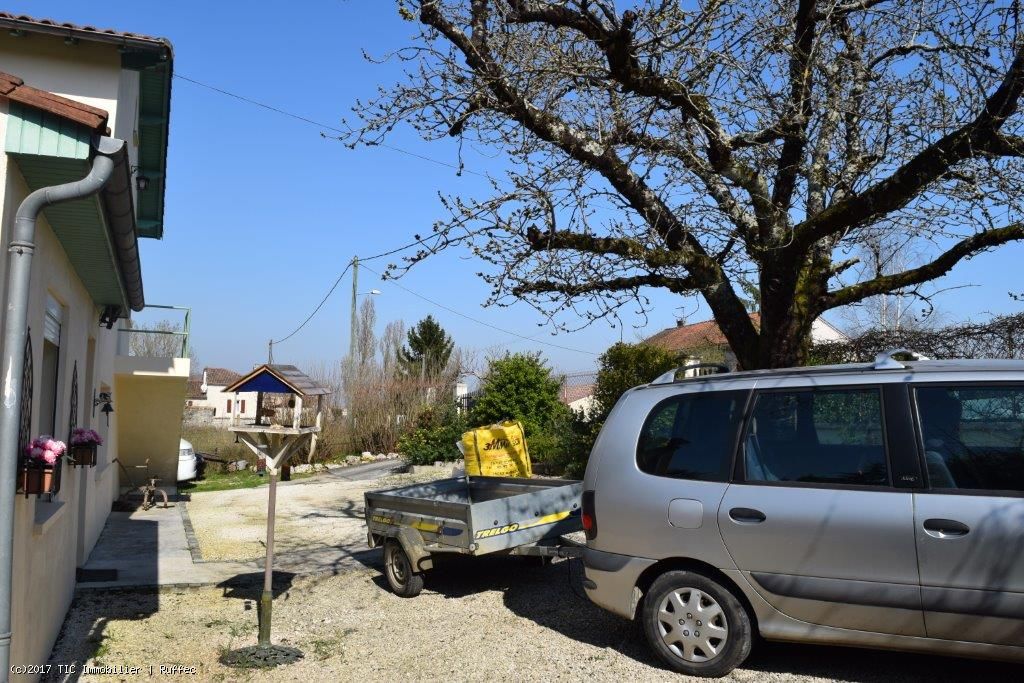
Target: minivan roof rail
{"type": "Point", "coordinates": [885, 360]}
{"type": "Point", "coordinates": [670, 376]}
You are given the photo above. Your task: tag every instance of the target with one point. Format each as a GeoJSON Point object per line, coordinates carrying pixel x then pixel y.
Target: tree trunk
{"type": "Point", "coordinates": [791, 300]}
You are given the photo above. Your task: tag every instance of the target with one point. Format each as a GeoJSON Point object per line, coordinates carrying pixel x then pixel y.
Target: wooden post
{"type": "Point", "coordinates": [297, 417]}
{"type": "Point", "coordinates": [276, 448]}
{"type": "Point", "coordinates": [319, 425]}
{"type": "Point", "coordinates": [267, 598]}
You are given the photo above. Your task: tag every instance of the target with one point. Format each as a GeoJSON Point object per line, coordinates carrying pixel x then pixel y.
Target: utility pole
{"type": "Point", "coordinates": [355, 320]}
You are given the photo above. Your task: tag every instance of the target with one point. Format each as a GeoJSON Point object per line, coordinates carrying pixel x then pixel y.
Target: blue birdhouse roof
{"type": "Point", "coordinates": [278, 379]}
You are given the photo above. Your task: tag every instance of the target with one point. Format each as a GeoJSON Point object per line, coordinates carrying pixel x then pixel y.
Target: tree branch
{"type": "Point", "coordinates": [973, 139]}
{"type": "Point", "coordinates": [682, 285]}
{"type": "Point", "coordinates": [800, 83]}
{"type": "Point", "coordinates": [708, 274]}
{"type": "Point", "coordinates": [593, 244]}
{"type": "Point", "coordinates": [934, 269]}
{"type": "Point", "coordinates": [841, 10]}
{"type": "Point", "coordinates": [744, 221]}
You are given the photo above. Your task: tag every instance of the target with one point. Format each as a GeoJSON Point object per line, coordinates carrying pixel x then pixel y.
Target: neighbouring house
{"type": "Point", "coordinates": [207, 401]}
{"type": "Point", "coordinates": [577, 392]}
{"type": "Point", "coordinates": [704, 342]}
{"type": "Point", "coordinates": [77, 102]}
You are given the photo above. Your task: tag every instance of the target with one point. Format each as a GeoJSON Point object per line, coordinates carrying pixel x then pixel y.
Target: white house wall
{"type": "Point", "coordinates": [53, 538]}
{"type": "Point", "coordinates": [822, 331]}
{"type": "Point", "coordinates": [217, 400]}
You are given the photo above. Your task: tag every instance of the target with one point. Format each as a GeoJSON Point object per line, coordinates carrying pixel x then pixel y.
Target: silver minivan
{"type": "Point", "coordinates": [872, 505]}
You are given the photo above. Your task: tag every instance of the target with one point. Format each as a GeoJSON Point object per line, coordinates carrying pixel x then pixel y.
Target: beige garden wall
{"type": "Point", "coordinates": [151, 396]}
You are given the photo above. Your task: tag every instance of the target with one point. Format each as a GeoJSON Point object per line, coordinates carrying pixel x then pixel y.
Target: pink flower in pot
{"type": "Point", "coordinates": [82, 436]}
{"type": "Point", "coordinates": [46, 449]}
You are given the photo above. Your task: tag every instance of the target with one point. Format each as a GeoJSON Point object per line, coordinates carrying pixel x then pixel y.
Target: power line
{"type": "Point", "coordinates": [459, 168]}
{"type": "Point", "coordinates": [342, 275]}
{"type": "Point", "coordinates": [318, 124]}
{"type": "Point", "coordinates": [315, 310]}
{"type": "Point", "coordinates": [478, 321]}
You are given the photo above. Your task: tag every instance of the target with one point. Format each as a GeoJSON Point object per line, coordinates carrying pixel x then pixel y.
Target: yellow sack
{"type": "Point", "coordinates": [496, 451]}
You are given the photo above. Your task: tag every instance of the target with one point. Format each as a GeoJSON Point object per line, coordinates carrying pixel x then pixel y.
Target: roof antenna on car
{"type": "Point", "coordinates": [885, 360]}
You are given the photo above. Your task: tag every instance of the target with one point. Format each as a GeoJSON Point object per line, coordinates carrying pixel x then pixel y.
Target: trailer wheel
{"type": "Point", "coordinates": [399, 571]}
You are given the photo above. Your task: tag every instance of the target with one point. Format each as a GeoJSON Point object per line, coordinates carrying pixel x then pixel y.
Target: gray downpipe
{"type": "Point", "coordinates": [19, 271]}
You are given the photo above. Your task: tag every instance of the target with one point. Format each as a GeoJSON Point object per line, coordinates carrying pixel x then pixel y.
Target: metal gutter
{"type": "Point", "coordinates": [120, 212]}
{"type": "Point", "coordinates": [15, 333]}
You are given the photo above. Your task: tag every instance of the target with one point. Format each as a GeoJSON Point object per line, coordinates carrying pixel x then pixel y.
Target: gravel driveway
{"type": "Point", "coordinates": [492, 619]}
{"type": "Point", "coordinates": [498, 619]}
{"type": "Point", "coordinates": [313, 515]}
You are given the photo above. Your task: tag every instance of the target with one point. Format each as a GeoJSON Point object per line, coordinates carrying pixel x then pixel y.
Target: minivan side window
{"type": "Point", "coordinates": [691, 436]}
{"type": "Point", "coordinates": [823, 436]}
{"type": "Point", "coordinates": [973, 436]}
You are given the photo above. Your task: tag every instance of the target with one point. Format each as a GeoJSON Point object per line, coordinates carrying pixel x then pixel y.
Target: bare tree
{"type": "Point", "coordinates": [381, 401]}
{"type": "Point", "coordinates": [164, 339]}
{"type": "Point", "coordinates": [903, 309]}
{"type": "Point", "coordinates": [694, 145]}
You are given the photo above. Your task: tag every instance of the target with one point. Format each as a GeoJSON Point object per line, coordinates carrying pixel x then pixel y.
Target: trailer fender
{"type": "Point", "coordinates": [412, 544]}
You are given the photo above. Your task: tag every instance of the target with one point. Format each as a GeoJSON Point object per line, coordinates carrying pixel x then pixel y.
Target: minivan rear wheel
{"type": "Point", "coordinates": [696, 625]}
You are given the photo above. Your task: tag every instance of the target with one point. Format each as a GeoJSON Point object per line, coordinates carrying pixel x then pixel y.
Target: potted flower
{"type": "Point", "coordinates": [43, 456]}
{"type": "Point", "coordinates": [83, 446]}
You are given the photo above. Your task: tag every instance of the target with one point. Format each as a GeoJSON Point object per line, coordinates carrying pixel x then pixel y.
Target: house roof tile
{"type": "Point", "coordinates": [194, 389]}
{"type": "Point", "coordinates": [220, 377]}
{"type": "Point", "coordinates": [42, 25]}
{"type": "Point", "coordinates": [570, 394]}
{"type": "Point", "coordinates": [695, 336]}
{"type": "Point", "coordinates": [14, 89]}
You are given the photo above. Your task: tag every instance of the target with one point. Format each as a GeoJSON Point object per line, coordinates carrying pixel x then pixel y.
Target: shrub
{"type": "Point", "coordinates": [624, 366]}
{"type": "Point", "coordinates": [519, 387]}
{"type": "Point", "coordinates": [435, 436]}
{"type": "Point", "coordinates": [621, 367]}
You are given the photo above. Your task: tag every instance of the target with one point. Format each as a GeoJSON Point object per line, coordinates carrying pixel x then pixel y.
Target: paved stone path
{"type": "Point", "coordinates": [153, 548]}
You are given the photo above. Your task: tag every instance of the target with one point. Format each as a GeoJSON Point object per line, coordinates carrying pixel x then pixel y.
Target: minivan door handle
{"type": "Point", "coordinates": [746, 515]}
{"type": "Point", "coordinates": [945, 528]}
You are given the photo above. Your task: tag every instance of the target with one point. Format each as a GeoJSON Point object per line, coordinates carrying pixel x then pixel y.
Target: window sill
{"type": "Point", "coordinates": [46, 516]}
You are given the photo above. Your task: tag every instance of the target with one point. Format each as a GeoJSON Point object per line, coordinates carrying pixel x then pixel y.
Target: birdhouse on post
{"type": "Point", "coordinates": [276, 443]}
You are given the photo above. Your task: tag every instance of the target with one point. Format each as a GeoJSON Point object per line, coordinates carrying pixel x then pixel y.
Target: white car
{"type": "Point", "coordinates": [187, 462]}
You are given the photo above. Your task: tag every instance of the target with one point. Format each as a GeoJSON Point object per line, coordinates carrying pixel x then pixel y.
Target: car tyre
{"type": "Point", "coordinates": [398, 570]}
{"type": "Point", "coordinates": [696, 625]}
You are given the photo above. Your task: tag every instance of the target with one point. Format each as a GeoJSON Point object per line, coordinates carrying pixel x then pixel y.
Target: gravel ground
{"type": "Point", "coordinates": [313, 513]}
{"type": "Point", "coordinates": [499, 619]}
{"type": "Point", "coordinates": [488, 619]}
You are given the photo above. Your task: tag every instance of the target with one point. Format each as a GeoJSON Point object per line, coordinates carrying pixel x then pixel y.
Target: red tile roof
{"type": "Point", "coordinates": [695, 336]}
{"type": "Point", "coordinates": [194, 389]}
{"type": "Point", "coordinates": [221, 377]}
{"type": "Point", "coordinates": [14, 89]}
{"type": "Point", "coordinates": [570, 394]}
{"type": "Point", "coordinates": [27, 23]}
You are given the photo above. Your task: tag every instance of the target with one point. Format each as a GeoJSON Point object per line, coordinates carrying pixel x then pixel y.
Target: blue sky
{"type": "Point", "coordinates": [263, 213]}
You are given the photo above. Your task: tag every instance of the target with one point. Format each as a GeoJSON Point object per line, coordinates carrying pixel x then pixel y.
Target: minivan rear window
{"type": "Point", "coordinates": [973, 436]}
{"type": "Point", "coordinates": [817, 436]}
{"type": "Point", "coordinates": [691, 436]}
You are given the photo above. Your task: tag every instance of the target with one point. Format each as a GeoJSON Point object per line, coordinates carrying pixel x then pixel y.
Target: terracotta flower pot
{"type": "Point", "coordinates": [36, 479]}
{"type": "Point", "coordinates": [83, 456]}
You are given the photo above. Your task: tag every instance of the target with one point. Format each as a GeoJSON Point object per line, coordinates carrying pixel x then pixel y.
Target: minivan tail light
{"type": "Point", "coordinates": [589, 515]}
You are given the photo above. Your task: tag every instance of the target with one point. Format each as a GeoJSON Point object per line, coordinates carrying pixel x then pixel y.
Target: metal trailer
{"type": "Point", "coordinates": [470, 516]}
